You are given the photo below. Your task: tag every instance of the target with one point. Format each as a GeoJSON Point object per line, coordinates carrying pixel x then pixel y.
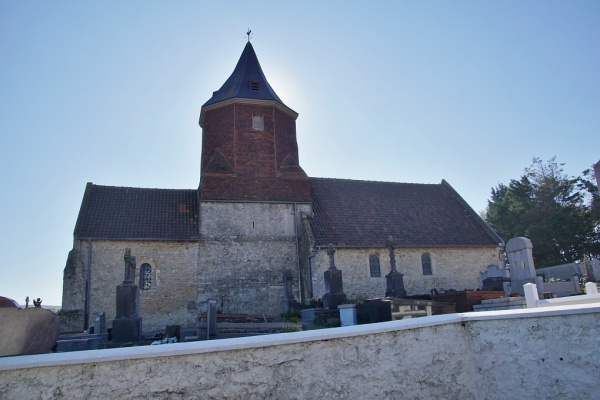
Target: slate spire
{"type": "Point", "coordinates": [247, 81]}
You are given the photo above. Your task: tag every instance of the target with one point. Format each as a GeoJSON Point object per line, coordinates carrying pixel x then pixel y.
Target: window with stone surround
{"type": "Point", "coordinates": [146, 277]}
{"type": "Point", "coordinates": [258, 122]}
{"type": "Point", "coordinates": [374, 267]}
{"type": "Point", "coordinates": [426, 264]}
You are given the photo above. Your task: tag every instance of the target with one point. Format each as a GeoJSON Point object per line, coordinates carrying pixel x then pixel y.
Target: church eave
{"type": "Point", "coordinates": [407, 246]}
{"type": "Point", "coordinates": [245, 101]}
{"type": "Point", "coordinates": [134, 239]}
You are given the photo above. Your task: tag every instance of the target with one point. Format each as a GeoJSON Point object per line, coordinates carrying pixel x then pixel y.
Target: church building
{"type": "Point", "coordinates": [256, 230]}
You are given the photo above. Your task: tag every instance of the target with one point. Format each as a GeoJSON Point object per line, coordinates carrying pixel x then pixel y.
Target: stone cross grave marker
{"type": "Point", "coordinates": [334, 286]}
{"type": "Point", "coordinates": [127, 326]}
{"type": "Point", "coordinates": [394, 280]}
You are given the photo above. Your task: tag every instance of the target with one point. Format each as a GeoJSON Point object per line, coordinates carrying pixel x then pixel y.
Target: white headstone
{"type": "Point", "coordinates": [520, 258]}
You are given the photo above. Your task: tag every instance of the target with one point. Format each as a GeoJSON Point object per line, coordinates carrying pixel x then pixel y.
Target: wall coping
{"type": "Point", "coordinates": [188, 348]}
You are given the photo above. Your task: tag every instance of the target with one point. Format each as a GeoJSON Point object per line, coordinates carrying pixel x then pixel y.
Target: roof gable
{"type": "Point", "coordinates": [351, 213]}
{"type": "Point", "coordinates": [109, 212]}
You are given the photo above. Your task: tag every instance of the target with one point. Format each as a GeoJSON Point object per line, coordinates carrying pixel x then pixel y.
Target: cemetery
{"type": "Point", "coordinates": [552, 334]}
{"type": "Point", "coordinates": [547, 352]}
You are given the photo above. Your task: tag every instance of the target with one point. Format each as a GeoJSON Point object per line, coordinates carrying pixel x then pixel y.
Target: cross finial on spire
{"type": "Point", "coordinates": [248, 33]}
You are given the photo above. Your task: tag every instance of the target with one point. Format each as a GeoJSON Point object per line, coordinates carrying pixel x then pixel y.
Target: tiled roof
{"type": "Point", "coordinates": [109, 212]}
{"type": "Point", "coordinates": [238, 85]}
{"type": "Point", "coordinates": [363, 213]}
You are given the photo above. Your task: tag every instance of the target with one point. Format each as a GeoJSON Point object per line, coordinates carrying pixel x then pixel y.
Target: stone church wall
{"type": "Point", "coordinates": [172, 298]}
{"type": "Point", "coordinates": [244, 250]}
{"type": "Point", "coordinates": [72, 313]}
{"type": "Point", "coordinates": [453, 268]}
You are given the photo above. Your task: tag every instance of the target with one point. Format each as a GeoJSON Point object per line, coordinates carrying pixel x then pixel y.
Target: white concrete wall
{"type": "Point", "coordinates": [548, 353]}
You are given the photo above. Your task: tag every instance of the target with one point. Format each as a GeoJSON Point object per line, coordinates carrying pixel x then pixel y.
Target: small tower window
{"type": "Point", "coordinates": [254, 86]}
{"type": "Point", "coordinates": [146, 277]}
{"type": "Point", "coordinates": [374, 266]}
{"type": "Point", "coordinates": [426, 264]}
{"type": "Point", "coordinates": [258, 122]}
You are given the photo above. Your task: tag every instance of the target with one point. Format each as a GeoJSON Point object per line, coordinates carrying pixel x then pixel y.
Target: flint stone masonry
{"type": "Point", "coordinates": [244, 250]}
{"type": "Point", "coordinates": [459, 356]}
{"type": "Point", "coordinates": [174, 279]}
{"type": "Point", "coordinates": [452, 269]}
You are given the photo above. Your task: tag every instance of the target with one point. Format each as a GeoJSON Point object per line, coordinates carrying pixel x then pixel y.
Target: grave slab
{"type": "Point", "coordinates": [27, 331]}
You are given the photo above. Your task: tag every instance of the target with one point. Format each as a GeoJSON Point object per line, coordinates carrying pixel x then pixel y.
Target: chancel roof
{"type": "Point", "coordinates": [352, 213]}
{"type": "Point", "coordinates": [247, 81]}
{"type": "Point", "coordinates": [109, 212]}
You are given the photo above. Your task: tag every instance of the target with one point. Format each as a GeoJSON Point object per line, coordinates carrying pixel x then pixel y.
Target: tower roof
{"type": "Point", "coordinates": [247, 82]}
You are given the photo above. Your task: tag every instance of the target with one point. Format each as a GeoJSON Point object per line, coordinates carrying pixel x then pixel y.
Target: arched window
{"type": "Point", "coordinates": [146, 277]}
{"type": "Point", "coordinates": [426, 264]}
{"type": "Point", "coordinates": [374, 266]}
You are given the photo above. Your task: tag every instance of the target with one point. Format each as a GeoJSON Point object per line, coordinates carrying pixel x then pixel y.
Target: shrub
{"type": "Point", "coordinates": [292, 315]}
{"type": "Point", "coordinates": [291, 328]}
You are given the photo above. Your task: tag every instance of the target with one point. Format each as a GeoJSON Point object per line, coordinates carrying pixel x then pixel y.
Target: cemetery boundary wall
{"type": "Point", "coordinates": [548, 353]}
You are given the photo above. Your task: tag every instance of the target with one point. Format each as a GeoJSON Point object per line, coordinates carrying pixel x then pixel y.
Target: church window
{"type": "Point", "coordinates": [254, 86]}
{"type": "Point", "coordinates": [374, 267]}
{"type": "Point", "coordinates": [258, 122]}
{"type": "Point", "coordinates": [426, 264]}
{"type": "Point", "coordinates": [146, 277]}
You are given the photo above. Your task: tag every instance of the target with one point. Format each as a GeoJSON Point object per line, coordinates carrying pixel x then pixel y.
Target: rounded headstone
{"type": "Point", "coordinates": [6, 302]}
{"type": "Point", "coordinates": [27, 331]}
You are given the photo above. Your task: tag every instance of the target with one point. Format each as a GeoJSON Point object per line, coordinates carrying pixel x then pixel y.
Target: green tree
{"type": "Point", "coordinates": [558, 213]}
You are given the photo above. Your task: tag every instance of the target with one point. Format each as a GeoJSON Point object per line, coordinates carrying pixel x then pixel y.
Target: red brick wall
{"type": "Point", "coordinates": [218, 132]}
{"type": "Point", "coordinates": [255, 150]}
{"type": "Point", "coordinates": [254, 155]}
{"type": "Point", "coordinates": [225, 187]}
{"type": "Point", "coordinates": [285, 136]}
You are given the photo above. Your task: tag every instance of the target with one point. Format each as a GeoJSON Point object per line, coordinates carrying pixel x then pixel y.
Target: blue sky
{"type": "Point", "coordinates": [110, 92]}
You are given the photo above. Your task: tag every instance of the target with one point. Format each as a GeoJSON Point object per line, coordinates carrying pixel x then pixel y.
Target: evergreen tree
{"type": "Point", "coordinates": [558, 213]}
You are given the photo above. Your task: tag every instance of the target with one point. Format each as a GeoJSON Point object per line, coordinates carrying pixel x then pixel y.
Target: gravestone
{"type": "Point", "coordinates": [6, 302]}
{"type": "Point", "coordinates": [493, 278]}
{"type": "Point", "coordinates": [211, 319]}
{"type": "Point", "coordinates": [372, 311]}
{"type": "Point", "coordinates": [27, 331]}
{"type": "Point", "coordinates": [334, 287]}
{"type": "Point", "coordinates": [588, 272]}
{"type": "Point", "coordinates": [522, 270]}
{"type": "Point", "coordinates": [173, 331]}
{"type": "Point", "coordinates": [288, 293]}
{"type": "Point", "coordinates": [127, 326]}
{"type": "Point", "coordinates": [100, 323]}
{"type": "Point", "coordinates": [394, 280]}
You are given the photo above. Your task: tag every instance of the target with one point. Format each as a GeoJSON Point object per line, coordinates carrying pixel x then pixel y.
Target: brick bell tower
{"type": "Point", "coordinates": [249, 148]}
